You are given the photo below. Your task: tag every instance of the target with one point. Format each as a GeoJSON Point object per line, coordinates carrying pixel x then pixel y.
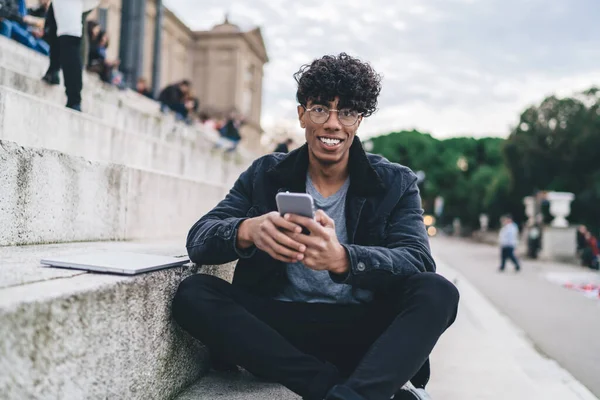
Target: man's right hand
{"type": "Point", "coordinates": [265, 232]}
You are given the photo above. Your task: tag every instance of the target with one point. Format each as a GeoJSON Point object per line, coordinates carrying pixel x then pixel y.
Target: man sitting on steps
{"type": "Point", "coordinates": [351, 310]}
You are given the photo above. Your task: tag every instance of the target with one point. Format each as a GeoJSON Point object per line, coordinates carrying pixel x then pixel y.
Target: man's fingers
{"type": "Point", "coordinates": [309, 241]}
{"type": "Point", "coordinates": [324, 219]}
{"type": "Point", "coordinates": [283, 253]}
{"type": "Point", "coordinates": [285, 240]}
{"type": "Point", "coordinates": [282, 223]}
{"type": "Point", "coordinates": [313, 226]}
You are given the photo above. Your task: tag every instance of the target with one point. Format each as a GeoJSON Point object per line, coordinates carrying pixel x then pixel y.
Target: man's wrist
{"type": "Point", "coordinates": [244, 240]}
{"type": "Point", "coordinates": [343, 265]}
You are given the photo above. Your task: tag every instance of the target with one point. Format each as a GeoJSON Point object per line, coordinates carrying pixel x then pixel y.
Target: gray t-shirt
{"type": "Point", "coordinates": [309, 286]}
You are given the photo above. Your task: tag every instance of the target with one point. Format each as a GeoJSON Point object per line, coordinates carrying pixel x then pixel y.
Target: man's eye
{"type": "Point", "coordinates": [348, 113]}
{"type": "Point", "coordinates": [319, 109]}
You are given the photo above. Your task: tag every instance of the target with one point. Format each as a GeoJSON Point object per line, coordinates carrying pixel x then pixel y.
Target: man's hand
{"type": "Point", "coordinates": [270, 233]}
{"type": "Point", "coordinates": [323, 249]}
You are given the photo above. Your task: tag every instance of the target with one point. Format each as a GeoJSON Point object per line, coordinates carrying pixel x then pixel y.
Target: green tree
{"type": "Point", "coordinates": [556, 146]}
{"type": "Point", "coordinates": [460, 170]}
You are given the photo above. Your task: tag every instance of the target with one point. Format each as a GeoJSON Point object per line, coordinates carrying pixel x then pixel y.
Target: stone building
{"type": "Point", "coordinates": [224, 64]}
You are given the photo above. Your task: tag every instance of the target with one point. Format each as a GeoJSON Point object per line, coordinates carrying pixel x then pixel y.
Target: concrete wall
{"type": "Point", "coordinates": [92, 336]}
{"type": "Point", "coordinates": [50, 197]}
{"type": "Point", "coordinates": [81, 135]}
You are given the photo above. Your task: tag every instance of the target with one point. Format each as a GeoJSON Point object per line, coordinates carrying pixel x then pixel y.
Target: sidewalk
{"type": "Point", "coordinates": [484, 356]}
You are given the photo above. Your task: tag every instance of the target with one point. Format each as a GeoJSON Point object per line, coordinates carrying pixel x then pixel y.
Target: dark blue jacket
{"type": "Point", "coordinates": [386, 235]}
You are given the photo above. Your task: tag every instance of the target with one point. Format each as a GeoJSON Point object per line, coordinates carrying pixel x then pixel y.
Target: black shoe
{"type": "Point", "coordinates": [341, 392]}
{"type": "Point", "coordinates": [409, 392]}
{"type": "Point", "coordinates": [74, 107]}
{"type": "Point", "coordinates": [51, 78]}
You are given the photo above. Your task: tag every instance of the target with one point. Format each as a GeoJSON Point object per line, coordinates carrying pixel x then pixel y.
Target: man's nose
{"type": "Point", "coordinates": [333, 123]}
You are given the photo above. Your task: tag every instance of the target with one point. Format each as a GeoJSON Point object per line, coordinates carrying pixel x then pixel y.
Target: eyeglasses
{"type": "Point", "coordinates": [320, 115]}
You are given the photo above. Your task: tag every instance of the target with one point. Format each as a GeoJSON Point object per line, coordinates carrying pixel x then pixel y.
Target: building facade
{"type": "Point", "coordinates": [224, 64]}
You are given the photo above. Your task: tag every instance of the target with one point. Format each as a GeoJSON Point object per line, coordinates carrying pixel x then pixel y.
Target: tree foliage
{"type": "Point", "coordinates": [555, 146]}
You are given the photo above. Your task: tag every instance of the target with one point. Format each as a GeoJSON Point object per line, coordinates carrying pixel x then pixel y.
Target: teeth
{"type": "Point", "coordinates": [330, 141]}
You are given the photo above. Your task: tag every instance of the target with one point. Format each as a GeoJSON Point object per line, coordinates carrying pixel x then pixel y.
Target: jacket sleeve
{"type": "Point", "coordinates": [212, 240]}
{"type": "Point", "coordinates": [405, 250]}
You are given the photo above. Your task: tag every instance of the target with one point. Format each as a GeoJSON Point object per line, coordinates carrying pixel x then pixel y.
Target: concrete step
{"type": "Point", "coordinates": [52, 197]}
{"type": "Point", "coordinates": [75, 335]}
{"type": "Point", "coordinates": [235, 386]}
{"type": "Point", "coordinates": [106, 102]}
{"type": "Point", "coordinates": [33, 64]}
{"type": "Point", "coordinates": [21, 58]}
{"type": "Point", "coordinates": [124, 109]}
{"type": "Point", "coordinates": [55, 127]}
{"type": "Point", "coordinates": [21, 69]}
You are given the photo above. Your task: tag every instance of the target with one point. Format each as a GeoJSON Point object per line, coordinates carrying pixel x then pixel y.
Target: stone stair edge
{"type": "Point", "coordinates": [13, 297]}
{"type": "Point", "coordinates": [87, 200]}
{"type": "Point", "coordinates": [118, 327]}
{"type": "Point", "coordinates": [10, 144]}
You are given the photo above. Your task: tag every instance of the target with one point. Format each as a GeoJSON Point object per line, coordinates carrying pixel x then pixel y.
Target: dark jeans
{"type": "Point", "coordinates": [65, 54]}
{"type": "Point", "coordinates": [508, 253]}
{"type": "Point", "coordinates": [374, 349]}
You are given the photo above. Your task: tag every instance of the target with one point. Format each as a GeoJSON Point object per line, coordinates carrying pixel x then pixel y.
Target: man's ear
{"type": "Point", "coordinates": [360, 119]}
{"type": "Point", "coordinates": [301, 112]}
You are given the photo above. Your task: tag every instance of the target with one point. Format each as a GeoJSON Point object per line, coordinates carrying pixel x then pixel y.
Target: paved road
{"type": "Point", "coordinates": [563, 324]}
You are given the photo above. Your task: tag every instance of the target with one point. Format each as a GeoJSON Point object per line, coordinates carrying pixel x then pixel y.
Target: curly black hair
{"type": "Point", "coordinates": [355, 82]}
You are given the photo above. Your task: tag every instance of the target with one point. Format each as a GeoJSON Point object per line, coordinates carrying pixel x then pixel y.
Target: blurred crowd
{"type": "Point", "coordinates": [38, 28]}
{"type": "Point", "coordinates": [25, 25]}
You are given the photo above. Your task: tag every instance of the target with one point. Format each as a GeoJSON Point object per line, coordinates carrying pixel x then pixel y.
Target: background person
{"type": "Point", "coordinates": [64, 31]}
{"type": "Point", "coordinates": [173, 98]}
{"type": "Point", "coordinates": [284, 147]}
{"type": "Point", "coordinates": [509, 239]}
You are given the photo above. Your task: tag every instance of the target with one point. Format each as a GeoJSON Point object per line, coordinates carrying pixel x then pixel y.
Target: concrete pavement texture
{"type": "Point", "coordinates": [483, 356]}
{"type": "Point", "coordinates": [562, 323]}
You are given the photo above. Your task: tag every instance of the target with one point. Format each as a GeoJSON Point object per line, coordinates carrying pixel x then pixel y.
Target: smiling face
{"type": "Point", "coordinates": [328, 142]}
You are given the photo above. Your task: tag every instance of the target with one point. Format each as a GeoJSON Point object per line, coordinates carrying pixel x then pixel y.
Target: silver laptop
{"type": "Point", "coordinates": [116, 262]}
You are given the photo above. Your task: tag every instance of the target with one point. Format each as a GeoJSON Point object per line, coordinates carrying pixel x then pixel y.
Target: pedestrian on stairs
{"type": "Point", "coordinates": [349, 310]}
{"type": "Point", "coordinates": [64, 24]}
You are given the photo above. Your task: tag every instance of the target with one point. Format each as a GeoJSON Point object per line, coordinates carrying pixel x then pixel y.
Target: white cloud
{"type": "Point", "coordinates": [450, 66]}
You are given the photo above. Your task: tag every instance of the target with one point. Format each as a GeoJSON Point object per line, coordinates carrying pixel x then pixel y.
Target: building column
{"type": "Point", "coordinates": [156, 61]}
{"type": "Point", "coordinates": [133, 18]}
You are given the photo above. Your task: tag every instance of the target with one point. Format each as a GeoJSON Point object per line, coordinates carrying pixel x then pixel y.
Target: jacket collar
{"type": "Point", "coordinates": [290, 172]}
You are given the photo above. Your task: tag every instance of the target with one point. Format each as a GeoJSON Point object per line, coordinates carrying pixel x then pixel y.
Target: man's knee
{"type": "Point", "coordinates": [194, 293]}
{"type": "Point", "coordinates": [436, 291]}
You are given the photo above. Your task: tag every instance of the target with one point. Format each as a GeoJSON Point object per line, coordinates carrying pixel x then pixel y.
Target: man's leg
{"type": "Point", "coordinates": [70, 63]}
{"type": "Point", "coordinates": [69, 31]}
{"type": "Point", "coordinates": [25, 37]}
{"type": "Point", "coordinates": [503, 257]}
{"type": "Point", "coordinates": [513, 258]}
{"type": "Point", "coordinates": [52, 74]}
{"type": "Point", "coordinates": [6, 28]}
{"type": "Point", "coordinates": [424, 305]}
{"type": "Point", "coordinates": [249, 331]}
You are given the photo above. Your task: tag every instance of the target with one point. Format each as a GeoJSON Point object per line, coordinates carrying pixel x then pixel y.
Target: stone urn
{"type": "Point", "coordinates": [560, 207]}
{"type": "Point", "coordinates": [484, 221]}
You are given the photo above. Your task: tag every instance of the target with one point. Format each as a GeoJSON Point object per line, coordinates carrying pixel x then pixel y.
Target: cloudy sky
{"type": "Point", "coordinates": [450, 67]}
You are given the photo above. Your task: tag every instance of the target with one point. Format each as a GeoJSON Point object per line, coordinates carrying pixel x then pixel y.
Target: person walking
{"type": "Point", "coordinates": [509, 238]}
{"type": "Point", "coordinates": [64, 32]}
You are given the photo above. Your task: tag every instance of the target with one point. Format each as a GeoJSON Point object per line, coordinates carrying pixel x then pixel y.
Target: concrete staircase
{"type": "Point", "coordinates": [122, 177]}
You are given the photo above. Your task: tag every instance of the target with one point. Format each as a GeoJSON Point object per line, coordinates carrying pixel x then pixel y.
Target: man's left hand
{"type": "Point", "coordinates": [323, 249]}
